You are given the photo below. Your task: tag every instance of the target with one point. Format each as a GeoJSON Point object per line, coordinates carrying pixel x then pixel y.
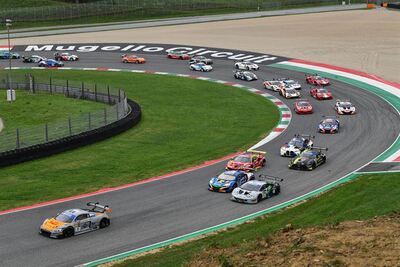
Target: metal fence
{"type": "Point", "coordinates": [147, 8]}
{"type": "Point", "coordinates": [117, 109]}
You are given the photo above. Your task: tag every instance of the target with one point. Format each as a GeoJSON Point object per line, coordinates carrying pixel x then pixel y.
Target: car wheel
{"type": "Point", "coordinates": [259, 198]}
{"type": "Point", "coordinates": [104, 223]}
{"type": "Point", "coordinates": [237, 66]}
{"type": "Point", "coordinates": [124, 61]}
{"type": "Point", "coordinates": [68, 232]}
{"type": "Point", "coordinates": [312, 167]}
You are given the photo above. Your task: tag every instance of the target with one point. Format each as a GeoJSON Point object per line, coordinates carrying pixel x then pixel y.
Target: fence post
{"type": "Point", "coordinates": [108, 93]}
{"type": "Point", "coordinates": [95, 92]}
{"type": "Point", "coordinates": [69, 126]}
{"type": "Point", "coordinates": [67, 89]}
{"type": "Point", "coordinates": [46, 133]}
{"type": "Point", "coordinates": [105, 116]}
{"type": "Point", "coordinates": [90, 121]}
{"type": "Point", "coordinates": [83, 91]}
{"type": "Point", "coordinates": [51, 89]}
{"type": "Point", "coordinates": [116, 108]}
{"type": "Point", "coordinates": [119, 95]}
{"type": "Point", "coordinates": [17, 140]}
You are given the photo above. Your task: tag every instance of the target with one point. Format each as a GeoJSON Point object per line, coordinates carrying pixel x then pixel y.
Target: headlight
{"type": "Point", "coordinates": [59, 230]}
{"type": "Point", "coordinates": [321, 127]}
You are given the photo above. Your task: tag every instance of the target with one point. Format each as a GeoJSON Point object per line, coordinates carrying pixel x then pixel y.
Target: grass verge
{"type": "Point", "coordinates": [364, 198]}
{"type": "Point", "coordinates": [185, 122]}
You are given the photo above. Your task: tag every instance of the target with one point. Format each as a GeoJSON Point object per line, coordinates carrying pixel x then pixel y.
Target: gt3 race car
{"type": "Point", "coordinates": [229, 180]}
{"type": "Point", "coordinates": [200, 67]}
{"type": "Point", "coordinates": [77, 221]}
{"type": "Point", "coordinates": [245, 65]}
{"type": "Point", "coordinates": [245, 75]}
{"type": "Point", "coordinates": [8, 55]}
{"type": "Point", "coordinates": [50, 63]}
{"type": "Point", "coordinates": [178, 55]}
{"type": "Point", "coordinates": [201, 59]}
{"type": "Point", "coordinates": [248, 161]}
{"type": "Point", "coordinates": [303, 106]}
{"type": "Point", "coordinates": [289, 93]}
{"type": "Point", "coordinates": [316, 80]}
{"type": "Point", "coordinates": [320, 93]}
{"type": "Point", "coordinates": [33, 59]}
{"type": "Point", "coordinates": [298, 144]}
{"type": "Point", "coordinates": [132, 59]}
{"type": "Point", "coordinates": [344, 107]}
{"type": "Point", "coordinates": [309, 159]}
{"type": "Point", "coordinates": [65, 57]}
{"type": "Point", "coordinates": [254, 191]}
{"type": "Point", "coordinates": [274, 85]}
{"type": "Point", "coordinates": [292, 84]}
{"type": "Point", "coordinates": [329, 125]}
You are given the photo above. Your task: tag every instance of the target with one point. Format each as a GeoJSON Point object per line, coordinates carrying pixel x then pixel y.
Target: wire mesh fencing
{"type": "Point", "coordinates": [116, 109]}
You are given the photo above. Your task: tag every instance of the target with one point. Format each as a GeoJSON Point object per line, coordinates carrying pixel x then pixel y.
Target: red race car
{"type": "Point", "coordinates": [178, 55]}
{"type": "Point", "coordinates": [316, 80]}
{"type": "Point", "coordinates": [303, 106]}
{"type": "Point", "coordinates": [320, 93]}
{"type": "Point", "coordinates": [249, 161]}
{"type": "Point", "coordinates": [132, 59]}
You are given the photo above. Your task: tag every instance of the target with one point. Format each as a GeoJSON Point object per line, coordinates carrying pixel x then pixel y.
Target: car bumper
{"type": "Point", "coordinates": [50, 234]}
{"type": "Point", "coordinates": [332, 131]}
{"type": "Point", "coordinates": [219, 189]}
{"type": "Point", "coordinates": [243, 200]}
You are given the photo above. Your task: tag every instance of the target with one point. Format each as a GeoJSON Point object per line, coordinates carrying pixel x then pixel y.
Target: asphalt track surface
{"type": "Point", "coordinates": [160, 210]}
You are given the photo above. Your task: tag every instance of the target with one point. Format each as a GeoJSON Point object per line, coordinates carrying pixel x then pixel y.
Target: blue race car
{"type": "Point", "coordinates": [200, 67]}
{"type": "Point", "coordinates": [329, 125]}
{"type": "Point", "coordinates": [229, 180]}
{"type": "Point", "coordinates": [50, 63]}
{"type": "Point", "coordinates": [7, 55]}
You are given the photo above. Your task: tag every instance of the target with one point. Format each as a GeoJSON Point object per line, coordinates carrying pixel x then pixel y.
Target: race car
{"type": "Point", "coordinates": [245, 75]}
{"type": "Point", "coordinates": [245, 65]}
{"type": "Point", "coordinates": [8, 55]}
{"type": "Point", "coordinates": [249, 161]}
{"type": "Point", "coordinates": [254, 191]}
{"type": "Point", "coordinates": [65, 57]}
{"type": "Point", "coordinates": [329, 125]}
{"type": "Point", "coordinates": [289, 93]}
{"type": "Point", "coordinates": [274, 85]}
{"type": "Point", "coordinates": [132, 59]}
{"type": "Point", "coordinates": [50, 63]}
{"type": "Point", "coordinates": [200, 67]}
{"type": "Point", "coordinates": [178, 55]}
{"type": "Point", "coordinates": [344, 107]}
{"type": "Point", "coordinates": [32, 59]}
{"type": "Point", "coordinates": [201, 59]}
{"type": "Point", "coordinates": [317, 80]}
{"type": "Point", "coordinates": [229, 180]}
{"type": "Point", "coordinates": [76, 221]}
{"type": "Point", "coordinates": [298, 144]}
{"type": "Point", "coordinates": [292, 84]}
{"type": "Point", "coordinates": [320, 93]}
{"type": "Point", "coordinates": [309, 159]}
{"type": "Point", "coordinates": [303, 106]}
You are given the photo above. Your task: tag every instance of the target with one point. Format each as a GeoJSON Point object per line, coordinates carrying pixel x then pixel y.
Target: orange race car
{"type": "Point", "coordinates": [133, 59]}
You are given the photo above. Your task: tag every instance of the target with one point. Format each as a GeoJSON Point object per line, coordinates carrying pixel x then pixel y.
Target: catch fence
{"type": "Point", "coordinates": [116, 109]}
{"type": "Point", "coordinates": [136, 9]}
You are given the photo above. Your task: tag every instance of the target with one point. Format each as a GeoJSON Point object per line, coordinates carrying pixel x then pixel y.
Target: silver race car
{"type": "Point", "coordinates": [298, 144]}
{"type": "Point", "coordinates": [254, 191]}
{"type": "Point", "coordinates": [289, 83]}
{"type": "Point", "coordinates": [274, 85]}
{"type": "Point", "coordinates": [344, 107]}
{"type": "Point", "coordinates": [76, 221]}
{"type": "Point", "coordinates": [244, 65]}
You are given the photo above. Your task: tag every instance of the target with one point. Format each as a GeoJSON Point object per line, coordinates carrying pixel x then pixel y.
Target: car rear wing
{"type": "Point", "coordinates": [343, 100]}
{"type": "Point", "coordinates": [319, 148]}
{"type": "Point", "coordinates": [270, 178]}
{"type": "Point", "coordinates": [256, 152]}
{"type": "Point", "coordinates": [307, 136]}
{"type": "Point", "coordinates": [99, 208]}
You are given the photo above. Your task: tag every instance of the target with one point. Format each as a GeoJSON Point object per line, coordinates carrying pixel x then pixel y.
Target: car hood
{"type": "Point", "coordinates": [220, 182]}
{"type": "Point", "coordinates": [241, 193]}
{"type": "Point", "coordinates": [52, 224]}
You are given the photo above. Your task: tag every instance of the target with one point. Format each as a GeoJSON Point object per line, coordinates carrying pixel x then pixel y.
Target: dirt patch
{"type": "Point", "coordinates": [375, 242]}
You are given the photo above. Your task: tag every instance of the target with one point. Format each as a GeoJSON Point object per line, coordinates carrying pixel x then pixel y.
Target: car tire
{"type": "Point", "coordinates": [124, 61]}
{"type": "Point", "coordinates": [68, 232]}
{"type": "Point", "coordinates": [259, 198]}
{"type": "Point", "coordinates": [104, 223]}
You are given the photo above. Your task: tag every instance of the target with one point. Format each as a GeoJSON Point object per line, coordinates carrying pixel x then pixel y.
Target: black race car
{"type": "Point", "coordinates": [309, 159]}
{"type": "Point", "coordinates": [244, 75]}
{"type": "Point", "coordinates": [201, 59]}
{"type": "Point", "coordinates": [32, 59]}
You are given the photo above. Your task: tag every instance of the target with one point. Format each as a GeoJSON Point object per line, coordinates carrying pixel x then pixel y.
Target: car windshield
{"type": "Point", "coordinates": [290, 82]}
{"type": "Point", "coordinates": [296, 142]}
{"type": "Point", "coordinates": [134, 56]}
{"type": "Point", "coordinates": [227, 177]}
{"type": "Point", "coordinates": [177, 53]}
{"type": "Point", "coordinates": [248, 73]}
{"type": "Point", "coordinates": [200, 57]}
{"type": "Point", "coordinates": [65, 217]}
{"type": "Point", "coordinates": [201, 64]}
{"type": "Point", "coordinates": [345, 105]}
{"type": "Point", "coordinates": [241, 158]}
{"type": "Point", "coordinates": [308, 155]}
{"type": "Point", "coordinates": [291, 91]}
{"type": "Point", "coordinates": [303, 104]}
{"type": "Point", "coordinates": [322, 90]}
{"type": "Point", "coordinates": [251, 187]}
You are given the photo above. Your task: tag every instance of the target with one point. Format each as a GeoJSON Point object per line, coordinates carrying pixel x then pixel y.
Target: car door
{"type": "Point", "coordinates": [82, 223]}
{"type": "Point", "coordinates": [263, 190]}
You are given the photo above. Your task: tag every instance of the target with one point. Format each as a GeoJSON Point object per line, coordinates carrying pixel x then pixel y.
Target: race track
{"type": "Point", "coordinates": [159, 210]}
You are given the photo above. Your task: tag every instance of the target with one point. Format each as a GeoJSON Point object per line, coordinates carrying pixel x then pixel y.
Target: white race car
{"type": "Point", "coordinates": [254, 191]}
{"type": "Point", "coordinates": [298, 144]}
{"type": "Point", "coordinates": [200, 67]}
{"type": "Point", "coordinates": [245, 65]}
{"type": "Point", "coordinates": [274, 85]}
{"type": "Point", "coordinates": [289, 93]}
{"type": "Point", "coordinates": [65, 57]}
{"type": "Point", "coordinates": [344, 107]}
{"type": "Point", "coordinates": [291, 84]}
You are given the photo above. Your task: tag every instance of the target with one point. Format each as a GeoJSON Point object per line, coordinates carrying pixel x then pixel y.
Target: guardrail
{"type": "Point", "coordinates": [151, 8]}
{"type": "Point", "coordinates": [21, 144]}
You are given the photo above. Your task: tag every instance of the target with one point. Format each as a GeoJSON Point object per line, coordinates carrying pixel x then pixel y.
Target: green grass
{"type": "Point", "coordinates": [185, 122]}
{"type": "Point", "coordinates": [37, 109]}
{"type": "Point", "coordinates": [5, 4]}
{"type": "Point", "coordinates": [364, 198]}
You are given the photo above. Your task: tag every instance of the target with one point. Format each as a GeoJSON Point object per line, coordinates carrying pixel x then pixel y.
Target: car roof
{"type": "Point", "coordinates": [75, 212]}
{"type": "Point", "coordinates": [256, 182]}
